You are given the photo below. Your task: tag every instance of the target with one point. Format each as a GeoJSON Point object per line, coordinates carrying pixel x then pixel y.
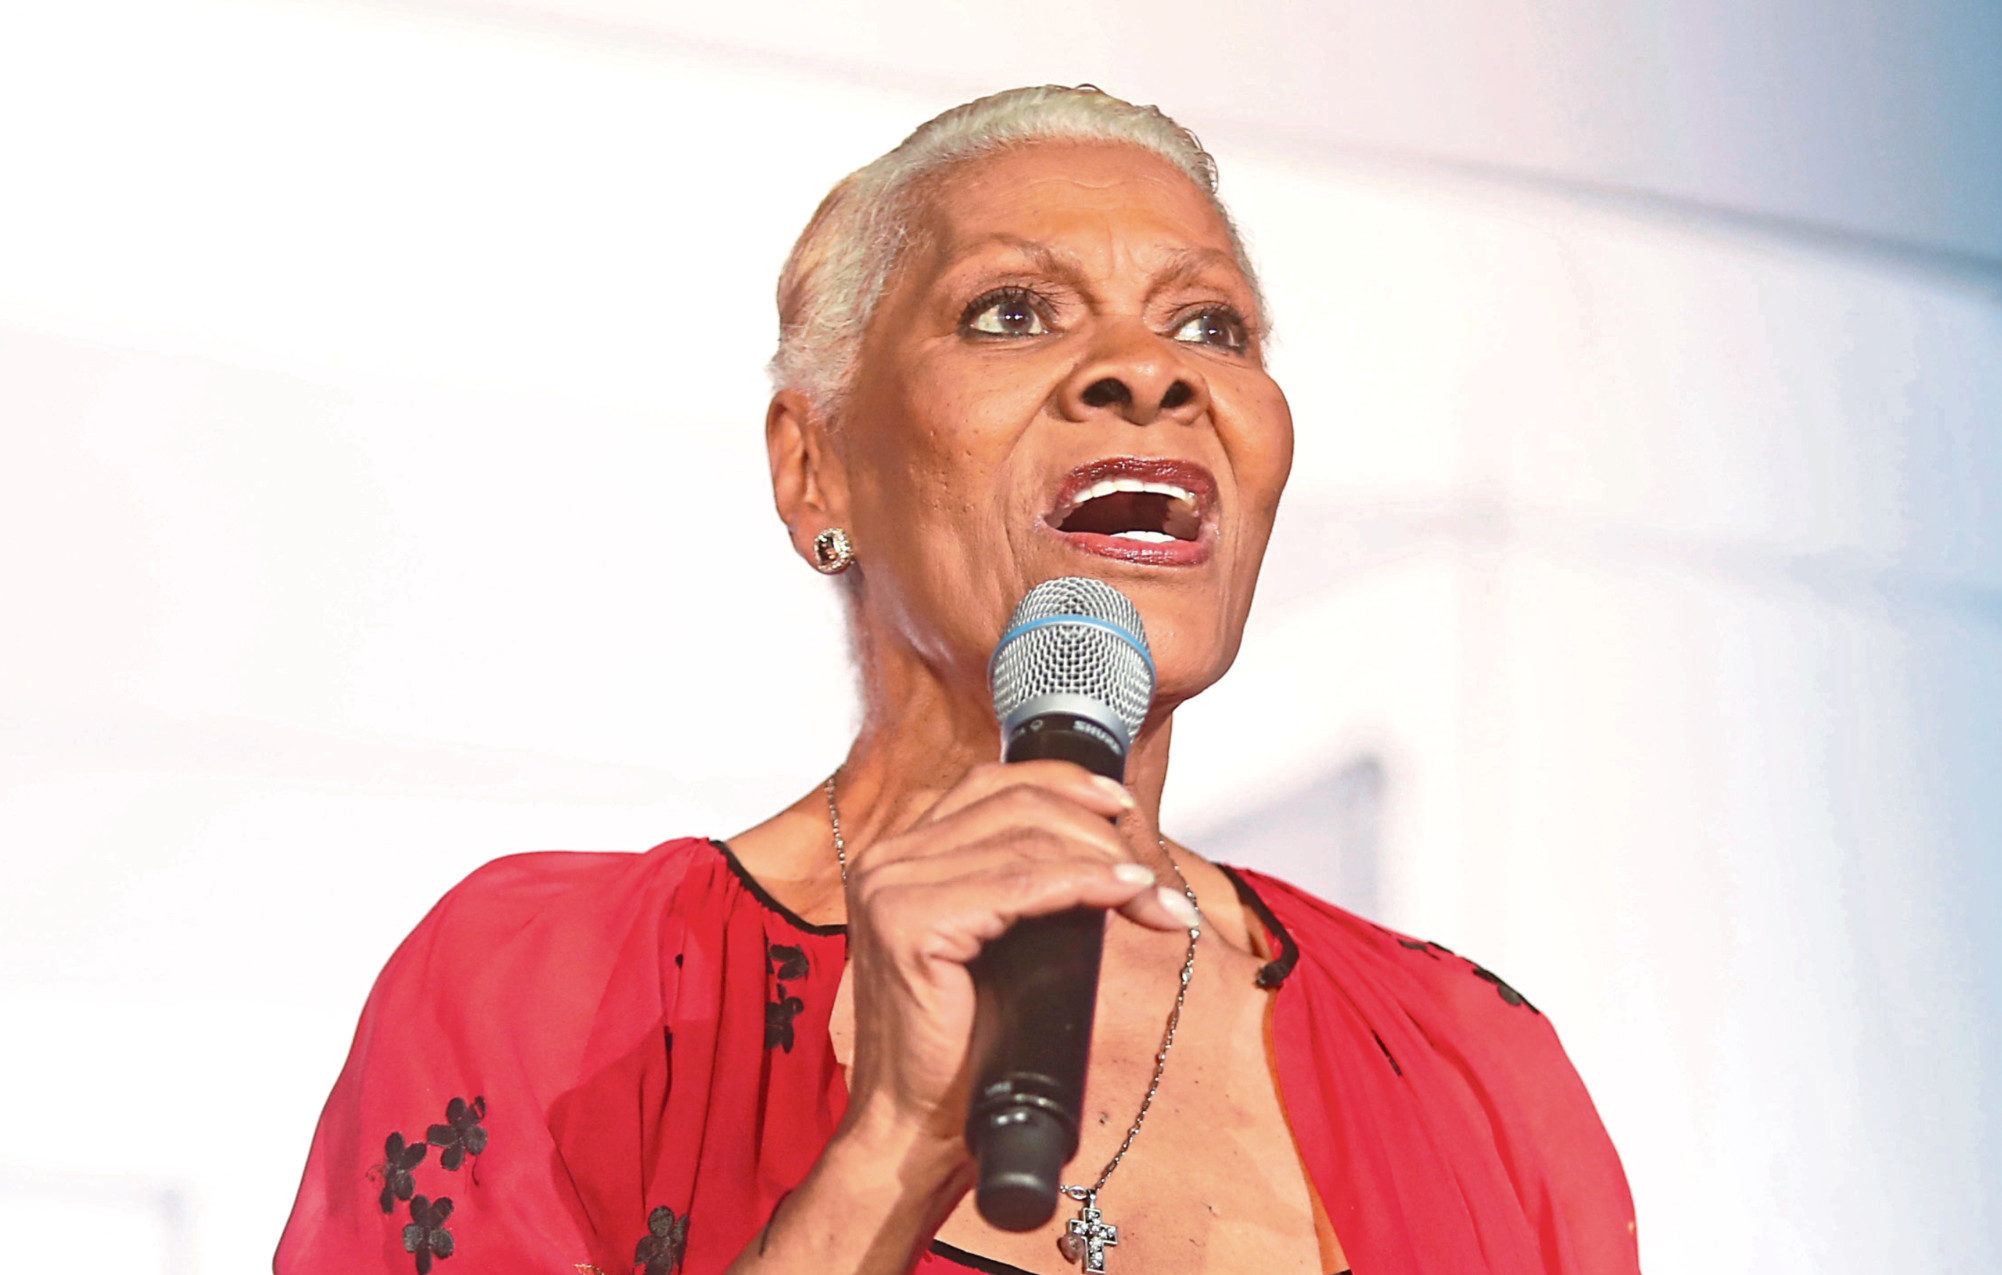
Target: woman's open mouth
{"type": "Point", "coordinates": [1153, 511]}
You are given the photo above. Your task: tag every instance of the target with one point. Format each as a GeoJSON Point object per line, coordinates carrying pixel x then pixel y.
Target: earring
{"type": "Point", "coordinates": [833, 552]}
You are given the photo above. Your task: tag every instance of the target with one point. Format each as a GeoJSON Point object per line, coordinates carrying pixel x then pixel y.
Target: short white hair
{"type": "Point", "coordinates": [843, 259]}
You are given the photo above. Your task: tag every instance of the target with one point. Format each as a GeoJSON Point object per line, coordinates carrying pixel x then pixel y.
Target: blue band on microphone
{"type": "Point", "coordinates": [1086, 620]}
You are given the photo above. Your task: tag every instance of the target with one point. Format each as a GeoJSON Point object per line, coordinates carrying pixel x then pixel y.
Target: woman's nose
{"type": "Point", "coordinates": [1136, 375]}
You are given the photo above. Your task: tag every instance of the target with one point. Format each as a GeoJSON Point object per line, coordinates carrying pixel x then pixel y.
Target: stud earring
{"type": "Point", "coordinates": [833, 552]}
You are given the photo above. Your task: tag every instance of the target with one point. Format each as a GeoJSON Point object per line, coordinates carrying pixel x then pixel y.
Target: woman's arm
{"type": "Point", "coordinates": [872, 1202]}
{"type": "Point", "coordinates": [435, 1139]}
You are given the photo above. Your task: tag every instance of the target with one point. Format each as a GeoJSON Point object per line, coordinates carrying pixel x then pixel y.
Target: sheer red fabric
{"type": "Point", "coordinates": [621, 1062]}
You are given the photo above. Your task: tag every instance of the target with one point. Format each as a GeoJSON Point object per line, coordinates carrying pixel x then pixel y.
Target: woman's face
{"type": "Point", "coordinates": [1064, 377]}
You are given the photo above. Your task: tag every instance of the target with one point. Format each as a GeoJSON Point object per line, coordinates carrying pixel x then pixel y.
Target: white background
{"type": "Point", "coordinates": [381, 492]}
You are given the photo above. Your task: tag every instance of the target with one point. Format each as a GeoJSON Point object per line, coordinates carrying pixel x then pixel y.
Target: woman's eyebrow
{"type": "Point", "coordinates": [1186, 265]}
{"type": "Point", "coordinates": [1044, 258]}
{"type": "Point", "coordinates": [1172, 267]}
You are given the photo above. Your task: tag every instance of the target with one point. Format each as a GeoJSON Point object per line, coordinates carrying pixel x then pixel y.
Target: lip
{"type": "Point", "coordinates": [1187, 475]}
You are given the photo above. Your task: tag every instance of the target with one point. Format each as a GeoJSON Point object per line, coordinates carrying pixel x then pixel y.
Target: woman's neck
{"type": "Point", "coordinates": [922, 731]}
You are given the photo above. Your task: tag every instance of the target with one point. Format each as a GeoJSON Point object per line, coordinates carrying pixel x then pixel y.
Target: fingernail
{"type": "Point", "coordinates": [1115, 790]}
{"type": "Point", "coordinates": [1137, 874]}
{"type": "Point", "coordinates": [1178, 906]}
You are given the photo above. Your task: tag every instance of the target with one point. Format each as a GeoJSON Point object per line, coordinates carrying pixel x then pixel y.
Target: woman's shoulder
{"type": "Point", "coordinates": [1310, 929]}
{"type": "Point", "coordinates": [1419, 998]}
{"type": "Point", "coordinates": [500, 898]}
{"type": "Point", "coordinates": [543, 936]}
{"type": "Point", "coordinates": [1397, 1016]}
{"type": "Point", "coordinates": [573, 898]}
{"type": "Point", "coordinates": [531, 977]}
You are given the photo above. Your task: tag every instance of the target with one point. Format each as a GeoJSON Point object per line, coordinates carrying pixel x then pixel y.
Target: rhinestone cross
{"type": "Point", "coordinates": [1088, 1234]}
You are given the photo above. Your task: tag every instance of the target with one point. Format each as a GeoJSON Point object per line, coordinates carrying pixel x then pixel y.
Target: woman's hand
{"type": "Point", "coordinates": [1006, 842]}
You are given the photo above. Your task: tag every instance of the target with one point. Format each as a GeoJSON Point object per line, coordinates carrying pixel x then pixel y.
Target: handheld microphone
{"type": "Point", "coordinates": [1072, 679]}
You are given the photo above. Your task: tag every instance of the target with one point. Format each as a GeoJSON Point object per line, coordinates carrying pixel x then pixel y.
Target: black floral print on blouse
{"type": "Point", "coordinates": [660, 1252]}
{"type": "Point", "coordinates": [787, 962]}
{"type": "Point", "coordinates": [1507, 993]}
{"type": "Point", "coordinates": [461, 1134]}
{"type": "Point", "coordinates": [778, 1020]}
{"type": "Point", "coordinates": [398, 1160]}
{"type": "Point", "coordinates": [426, 1235]}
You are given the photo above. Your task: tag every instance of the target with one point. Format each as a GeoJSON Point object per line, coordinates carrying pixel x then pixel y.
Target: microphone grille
{"type": "Point", "coordinates": [1074, 637]}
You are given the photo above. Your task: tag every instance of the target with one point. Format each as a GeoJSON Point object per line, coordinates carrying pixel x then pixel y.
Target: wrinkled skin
{"type": "Point", "coordinates": [950, 448]}
{"type": "Point", "coordinates": [1059, 304]}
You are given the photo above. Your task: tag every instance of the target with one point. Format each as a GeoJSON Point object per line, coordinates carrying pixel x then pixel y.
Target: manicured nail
{"type": "Point", "coordinates": [1178, 906]}
{"type": "Point", "coordinates": [1115, 790]}
{"type": "Point", "coordinates": [1137, 874]}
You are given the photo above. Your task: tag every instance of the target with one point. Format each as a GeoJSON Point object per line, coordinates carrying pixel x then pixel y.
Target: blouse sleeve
{"type": "Point", "coordinates": [1566, 1175]}
{"type": "Point", "coordinates": [1439, 1116]}
{"type": "Point", "coordinates": [436, 1139]}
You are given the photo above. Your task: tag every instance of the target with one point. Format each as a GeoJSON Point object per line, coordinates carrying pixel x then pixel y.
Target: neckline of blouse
{"type": "Point", "coordinates": [1270, 975]}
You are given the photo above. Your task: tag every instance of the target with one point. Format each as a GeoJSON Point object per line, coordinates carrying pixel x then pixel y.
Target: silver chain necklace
{"type": "Point", "coordinates": [1088, 1235]}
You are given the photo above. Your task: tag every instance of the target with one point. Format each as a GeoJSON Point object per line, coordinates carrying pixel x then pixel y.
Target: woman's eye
{"type": "Point", "coordinates": [1220, 328]}
{"type": "Point", "coordinates": [1010, 313]}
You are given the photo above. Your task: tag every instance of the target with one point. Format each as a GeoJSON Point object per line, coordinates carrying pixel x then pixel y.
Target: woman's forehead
{"type": "Point", "coordinates": [1065, 196]}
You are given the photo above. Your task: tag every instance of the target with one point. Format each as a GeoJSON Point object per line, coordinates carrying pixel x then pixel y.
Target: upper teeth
{"type": "Point", "coordinates": [1111, 485]}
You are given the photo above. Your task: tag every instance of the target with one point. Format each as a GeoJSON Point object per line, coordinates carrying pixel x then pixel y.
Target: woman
{"type": "Point", "coordinates": [1024, 344]}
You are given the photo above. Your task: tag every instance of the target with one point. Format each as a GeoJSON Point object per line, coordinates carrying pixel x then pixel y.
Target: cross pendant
{"type": "Point", "coordinates": [1088, 1234]}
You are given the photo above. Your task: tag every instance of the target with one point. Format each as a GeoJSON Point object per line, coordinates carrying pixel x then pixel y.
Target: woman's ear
{"type": "Point", "coordinates": [809, 486]}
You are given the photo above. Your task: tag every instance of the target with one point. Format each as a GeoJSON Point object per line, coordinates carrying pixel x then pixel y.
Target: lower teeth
{"type": "Point", "coordinates": [1145, 537]}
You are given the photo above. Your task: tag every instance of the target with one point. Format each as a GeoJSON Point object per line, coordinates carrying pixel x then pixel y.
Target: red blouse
{"type": "Point", "coordinates": [622, 1061]}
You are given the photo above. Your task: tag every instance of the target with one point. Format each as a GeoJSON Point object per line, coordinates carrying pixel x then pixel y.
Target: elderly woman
{"type": "Point", "coordinates": [1024, 344]}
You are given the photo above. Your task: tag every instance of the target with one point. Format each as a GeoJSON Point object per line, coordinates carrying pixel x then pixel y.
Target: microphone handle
{"type": "Point", "coordinates": [1036, 989]}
